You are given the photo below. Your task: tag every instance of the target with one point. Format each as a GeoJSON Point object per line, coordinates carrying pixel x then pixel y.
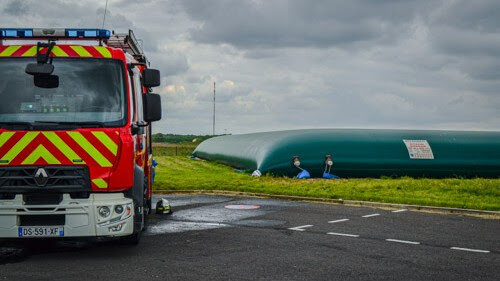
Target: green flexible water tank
{"type": "Point", "coordinates": [361, 153]}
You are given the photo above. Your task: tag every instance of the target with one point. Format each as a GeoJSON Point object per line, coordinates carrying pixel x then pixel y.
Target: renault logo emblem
{"type": "Point", "coordinates": [41, 177]}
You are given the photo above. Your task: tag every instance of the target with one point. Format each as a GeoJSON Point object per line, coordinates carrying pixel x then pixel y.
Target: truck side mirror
{"type": "Point", "coordinates": [152, 107]}
{"type": "Point", "coordinates": [151, 78]}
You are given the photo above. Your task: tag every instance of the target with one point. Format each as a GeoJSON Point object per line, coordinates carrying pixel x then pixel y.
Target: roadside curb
{"type": "Point", "coordinates": [430, 209]}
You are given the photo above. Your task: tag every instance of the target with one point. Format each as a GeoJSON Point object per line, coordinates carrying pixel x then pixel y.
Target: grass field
{"type": "Point", "coordinates": [183, 173]}
{"type": "Point", "coordinates": [173, 149]}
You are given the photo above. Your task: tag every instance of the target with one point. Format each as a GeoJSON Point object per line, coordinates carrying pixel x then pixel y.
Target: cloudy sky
{"type": "Point", "coordinates": [305, 64]}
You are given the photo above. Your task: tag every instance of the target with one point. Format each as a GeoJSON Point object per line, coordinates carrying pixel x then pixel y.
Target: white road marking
{"type": "Point", "coordinates": [342, 234]}
{"type": "Point", "coordinates": [469, 250]}
{"type": "Point", "coordinates": [341, 220]}
{"type": "Point", "coordinates": [400, 210]}
{"type": "Point", "coordinates": [403, 241]}
{"type": "Point", "coordinates": [372, 215]}
{"type": "Point", "coordinates": [300, 228]}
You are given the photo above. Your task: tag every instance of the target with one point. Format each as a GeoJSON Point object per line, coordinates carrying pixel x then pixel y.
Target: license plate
{"type": "Point", "coordinates": [41, 231]}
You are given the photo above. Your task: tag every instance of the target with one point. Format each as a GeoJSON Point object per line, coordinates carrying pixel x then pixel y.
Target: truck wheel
{"type": "Point", "coordinates": [150, 206]}
{"type": "Point", "coordinates": [133, 239]}
{"type": "Point", "coordinates": [138, 194]}
{"type": "Point", "coordinates": [147, 202]}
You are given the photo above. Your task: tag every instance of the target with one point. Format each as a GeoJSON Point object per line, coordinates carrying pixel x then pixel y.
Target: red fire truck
{"type": "Point", "coordinates": [76, 108]}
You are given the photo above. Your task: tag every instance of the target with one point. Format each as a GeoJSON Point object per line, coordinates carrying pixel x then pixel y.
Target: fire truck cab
{"type": "Point", "coordinates": [76, 108]}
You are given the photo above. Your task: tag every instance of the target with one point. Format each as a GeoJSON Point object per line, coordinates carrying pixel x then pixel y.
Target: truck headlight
{"type": "Point", "coordinates": [119, 209]}
{"type": "Point", "coordinates": [104, 212]}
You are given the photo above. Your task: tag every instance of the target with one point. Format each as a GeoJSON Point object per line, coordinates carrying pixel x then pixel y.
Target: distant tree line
{"type": "Point", "coordinates": [171, 138]}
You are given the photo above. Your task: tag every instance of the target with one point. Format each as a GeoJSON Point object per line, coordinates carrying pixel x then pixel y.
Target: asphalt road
{"type": "Point", "coordinates": [279, 240]}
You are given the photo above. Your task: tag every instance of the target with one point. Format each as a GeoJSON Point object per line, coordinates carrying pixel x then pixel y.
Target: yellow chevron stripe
{"type": "Point", "coordinates": [64, 148]}
{"type": "Point", "coordinates": [4, 137]}
{"type": "Point", "coordinates": [106, 141]}
{"type": "Point", "coordinates": [18, 147]}
{"type": "Point", "coordinates": [100, 183]}
{"type": "Point", "coordinates": [81, 51]}
{"type": "Point", "coordinates": [103, 51]}
{"type": "Point", "coordinates": [40, 152]}
{"type": "Point", "coordinates": [9, 51]}
{"type": "Point", "coordinates": [58, 52]}
{"type": "Point", "coordinates": [31, 52]}
{"type": "Point", "coordinates": [90, 149]}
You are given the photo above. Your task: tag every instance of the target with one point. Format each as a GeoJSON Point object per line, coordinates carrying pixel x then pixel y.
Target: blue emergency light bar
{"type": "Point", "coordinates": [56, 33]}
{"type": "Point", "coordinates": [88, 33]}
{"type": "Point", "coordinates": [15, 33]}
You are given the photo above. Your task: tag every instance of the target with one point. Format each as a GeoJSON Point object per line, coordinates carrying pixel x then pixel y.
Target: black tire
{"type": "Point", "coordinates": [150, 206]}
{"type": "Point", "coordinates": [147, 203]}
{"type": "Point", "coordinates": [138, 194]}
{"type": "Point", "coordinates": [132, 240]}
{"type": "Point", "coordinates": [135, 237]}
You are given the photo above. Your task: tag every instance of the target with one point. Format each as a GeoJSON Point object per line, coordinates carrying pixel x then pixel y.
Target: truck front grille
{"type": "Point", "coordinates": [59, 179]}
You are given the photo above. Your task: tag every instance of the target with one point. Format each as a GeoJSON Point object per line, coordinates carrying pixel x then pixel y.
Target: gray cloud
{"type": "Point", "coordinates": [306, 64]}
{"type": "Point", "coordinates": [170, 62]}
{"type": "Point", "coordinates": [15, 8]}
{"type": "Point", "coordinates": [275, 24]}
{"type": "Point", "coordinates": [481, 15]}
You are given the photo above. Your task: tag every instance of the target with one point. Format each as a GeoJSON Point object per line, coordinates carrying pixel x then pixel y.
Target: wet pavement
{"type": "Point", "coordinates": [209, 212]}
{"type": "Point", "coordinates": [232, 238]}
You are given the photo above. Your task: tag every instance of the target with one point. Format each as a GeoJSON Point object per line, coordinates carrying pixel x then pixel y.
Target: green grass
{"type": "Point", "coordinates": [171, 149]}
{"type": "Point", "coordinates": [182, 173]}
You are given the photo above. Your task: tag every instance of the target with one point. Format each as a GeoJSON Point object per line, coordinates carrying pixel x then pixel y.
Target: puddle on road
{"type": "Point", "coordinates": [201, 218]}
{"type": "Point", "coordinates": [180, 226]}
{"type": "Point", "coordinates": [272, 203]}
{"type": "Point", "coordinates": [184, 200]}
{"type": "Point", "coordinates": [215, 215]}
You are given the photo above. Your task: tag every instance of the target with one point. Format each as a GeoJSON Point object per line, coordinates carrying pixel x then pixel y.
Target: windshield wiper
{"type": "Point", "coordinates": [75, 124]}
{"type": "Point", "coordinates": [28, 125]}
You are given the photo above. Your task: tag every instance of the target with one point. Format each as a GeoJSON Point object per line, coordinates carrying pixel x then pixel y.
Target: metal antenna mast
{"type": "Point", "coordinates": [213, 128]}
{"type": "Point", "coordinates": [104, 17]}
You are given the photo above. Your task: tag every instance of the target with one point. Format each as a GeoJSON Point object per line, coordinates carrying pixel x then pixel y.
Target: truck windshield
{"type": "Point", "coordinates": [91, 91]}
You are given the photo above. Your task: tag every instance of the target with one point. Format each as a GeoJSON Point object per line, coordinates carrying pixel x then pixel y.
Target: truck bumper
{"type": "Point", "coordinates": [79, 217]}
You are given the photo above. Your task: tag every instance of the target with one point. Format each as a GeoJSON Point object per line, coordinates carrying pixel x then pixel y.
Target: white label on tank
{"type": "Point", "coordinates": [419, 149]}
